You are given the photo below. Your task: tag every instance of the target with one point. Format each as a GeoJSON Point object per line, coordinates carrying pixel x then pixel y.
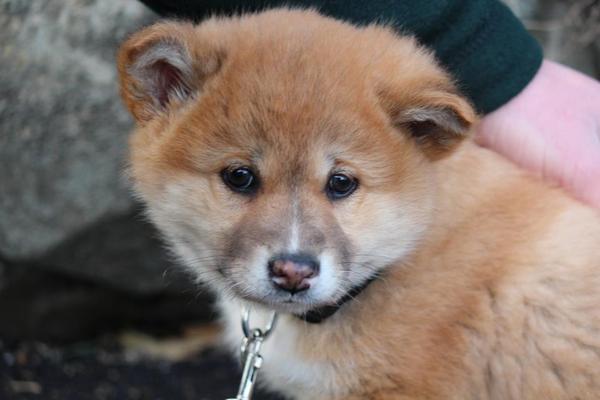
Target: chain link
{"type": "Point", "coordinates": [250, 353]}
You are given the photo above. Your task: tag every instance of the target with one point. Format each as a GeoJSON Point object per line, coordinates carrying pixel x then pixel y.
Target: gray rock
{"type": "Point", "coordinates": [36, 304]}
{"type": "Point", "coordinates": [64, 204]}
{"type": "Point", "coordinates": [566, 29]}
{"type": "Point", "coordinates": [597, 58]}
{"type": "Point", "coordinates": [64, 131]}
{"type": "Point", "coordinates": [122, 253]}
{"type": "Point", "coordinates": [2, 274]}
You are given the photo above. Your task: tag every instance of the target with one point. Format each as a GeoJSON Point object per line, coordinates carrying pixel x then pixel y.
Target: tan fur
{"type": "Point", "coordinates": [491, 283]}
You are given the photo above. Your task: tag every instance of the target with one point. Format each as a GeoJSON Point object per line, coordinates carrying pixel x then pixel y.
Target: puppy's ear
{"type": "Point", "coordinates": [163, 65]}
{"type": "Point", "coordinates": [437, 118]}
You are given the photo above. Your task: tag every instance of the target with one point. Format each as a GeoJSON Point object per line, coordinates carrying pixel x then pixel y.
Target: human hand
{"type": "Point", "coordinates": [553, 129]}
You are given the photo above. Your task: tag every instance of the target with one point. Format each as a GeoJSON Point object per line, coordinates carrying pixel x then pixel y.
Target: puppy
{"type": "Point", "coordinates": [304, 165]}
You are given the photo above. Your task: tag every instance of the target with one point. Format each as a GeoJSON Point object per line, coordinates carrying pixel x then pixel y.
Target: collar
{"type": "Point", "coordinates": [320, 314]}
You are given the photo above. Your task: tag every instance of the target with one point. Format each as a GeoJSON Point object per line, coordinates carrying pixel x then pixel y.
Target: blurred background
{"type": "Point", "coordinates": [91, 306]}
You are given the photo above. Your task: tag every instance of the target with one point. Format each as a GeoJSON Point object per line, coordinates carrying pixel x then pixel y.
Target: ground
{"type": "Point", "coordinates": [106, 369]}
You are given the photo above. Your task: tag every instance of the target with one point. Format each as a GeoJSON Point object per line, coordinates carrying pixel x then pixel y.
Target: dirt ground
{"type": "Point", "coordinates": [116, 368]}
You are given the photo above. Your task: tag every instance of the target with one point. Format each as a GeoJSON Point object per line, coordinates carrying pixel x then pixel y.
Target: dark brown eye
{"type": "Point", "coordinates": [241, 180]}
{"type": "Point", "coordinates": [340, 186]}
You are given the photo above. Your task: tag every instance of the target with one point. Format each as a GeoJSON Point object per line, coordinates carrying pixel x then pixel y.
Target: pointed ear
{"type": "Point", "coordinates": [163, 65]}
{"type": "Point", "coordinates": [437, 119]}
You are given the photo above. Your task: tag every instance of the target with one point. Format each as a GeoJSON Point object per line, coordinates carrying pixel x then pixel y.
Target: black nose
{"type": "Point", "coordinates": [292, 272]}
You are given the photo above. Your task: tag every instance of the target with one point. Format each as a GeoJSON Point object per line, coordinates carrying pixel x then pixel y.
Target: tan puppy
{"type": "Point", "coordinates": [289, 159]}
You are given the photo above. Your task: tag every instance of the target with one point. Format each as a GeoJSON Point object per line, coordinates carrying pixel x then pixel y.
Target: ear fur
{"type": "Point", "coordinates": [436, 117]}
{"type": "Point", "coordinates": [162, 65]}
{"type": "Point", "coordinates": [438, 121]}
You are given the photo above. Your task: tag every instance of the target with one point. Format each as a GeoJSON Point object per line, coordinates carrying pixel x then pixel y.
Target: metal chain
{"type": "Point", "coordinates": [250, 353]}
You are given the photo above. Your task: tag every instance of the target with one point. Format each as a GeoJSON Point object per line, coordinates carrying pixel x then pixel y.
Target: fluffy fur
{"type": "Point", "coordinates": [490, 280]}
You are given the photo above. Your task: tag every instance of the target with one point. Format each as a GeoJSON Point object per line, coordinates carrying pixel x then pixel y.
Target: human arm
{"type": "Point", "coordinates": [552, 128]}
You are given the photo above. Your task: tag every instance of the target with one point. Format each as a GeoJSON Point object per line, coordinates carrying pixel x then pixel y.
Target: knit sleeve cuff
{"type": "Point", "coordinates": [493, 60]}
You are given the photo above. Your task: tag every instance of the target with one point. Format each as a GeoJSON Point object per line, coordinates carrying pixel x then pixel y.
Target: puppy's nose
{"type": "Point", "coordinates": [292, 272]}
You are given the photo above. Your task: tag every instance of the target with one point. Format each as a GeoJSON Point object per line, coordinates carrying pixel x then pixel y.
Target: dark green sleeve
{"type": "Point", "coordinates": [480, 42]}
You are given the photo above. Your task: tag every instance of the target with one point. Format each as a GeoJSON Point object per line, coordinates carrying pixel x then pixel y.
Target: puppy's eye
{"type": "Point", "coordinates": [340, 186]}
{"type": "Point", "coordinates": [241, 180]}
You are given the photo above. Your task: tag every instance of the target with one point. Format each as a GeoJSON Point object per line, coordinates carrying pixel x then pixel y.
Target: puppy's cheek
{"type": "Point", "coordinates": [249, 274]}
{"type": "Point", "coordinates": [387, 227]}
{"type": "Point", "coordinates": [194, 222]}
{"type": "Point", "coordinates": [330, 282]}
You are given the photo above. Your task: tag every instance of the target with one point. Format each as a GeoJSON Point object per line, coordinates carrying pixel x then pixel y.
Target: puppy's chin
{"type": "Point", "coordinates": [278, 300]}
{"type": "Point", "coordinates": [284, 302]}
{"type": "Point", "coordinates": [290, 304]}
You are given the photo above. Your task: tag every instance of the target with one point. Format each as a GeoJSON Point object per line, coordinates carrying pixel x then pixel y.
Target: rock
{"type": "Point", "coordinates": [36, 304]}
{"type": "Point", "coordinates": [64, 131]}
{"type": "Point", "coordinates": [2, 274]}
{"type": "Point", "coordinates": [64, 204]}
{"type": "Point", "coordinates": [597, 57]}
{"type": "Point", "coordinates": [121, 252]}
{"type": "Point", "coordinates": [566, 29]}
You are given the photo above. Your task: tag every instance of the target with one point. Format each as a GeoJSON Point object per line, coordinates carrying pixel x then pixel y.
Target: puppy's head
{"type": "Point", "coordinates": [287, 157]}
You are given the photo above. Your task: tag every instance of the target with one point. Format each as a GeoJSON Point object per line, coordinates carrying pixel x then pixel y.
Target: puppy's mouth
{"type": "Point", "coordinates": [304, 307]}
{"type": "Point", "coordinates": [294, 303]}
{"type": "Point", "coordinates": [307, 304]}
